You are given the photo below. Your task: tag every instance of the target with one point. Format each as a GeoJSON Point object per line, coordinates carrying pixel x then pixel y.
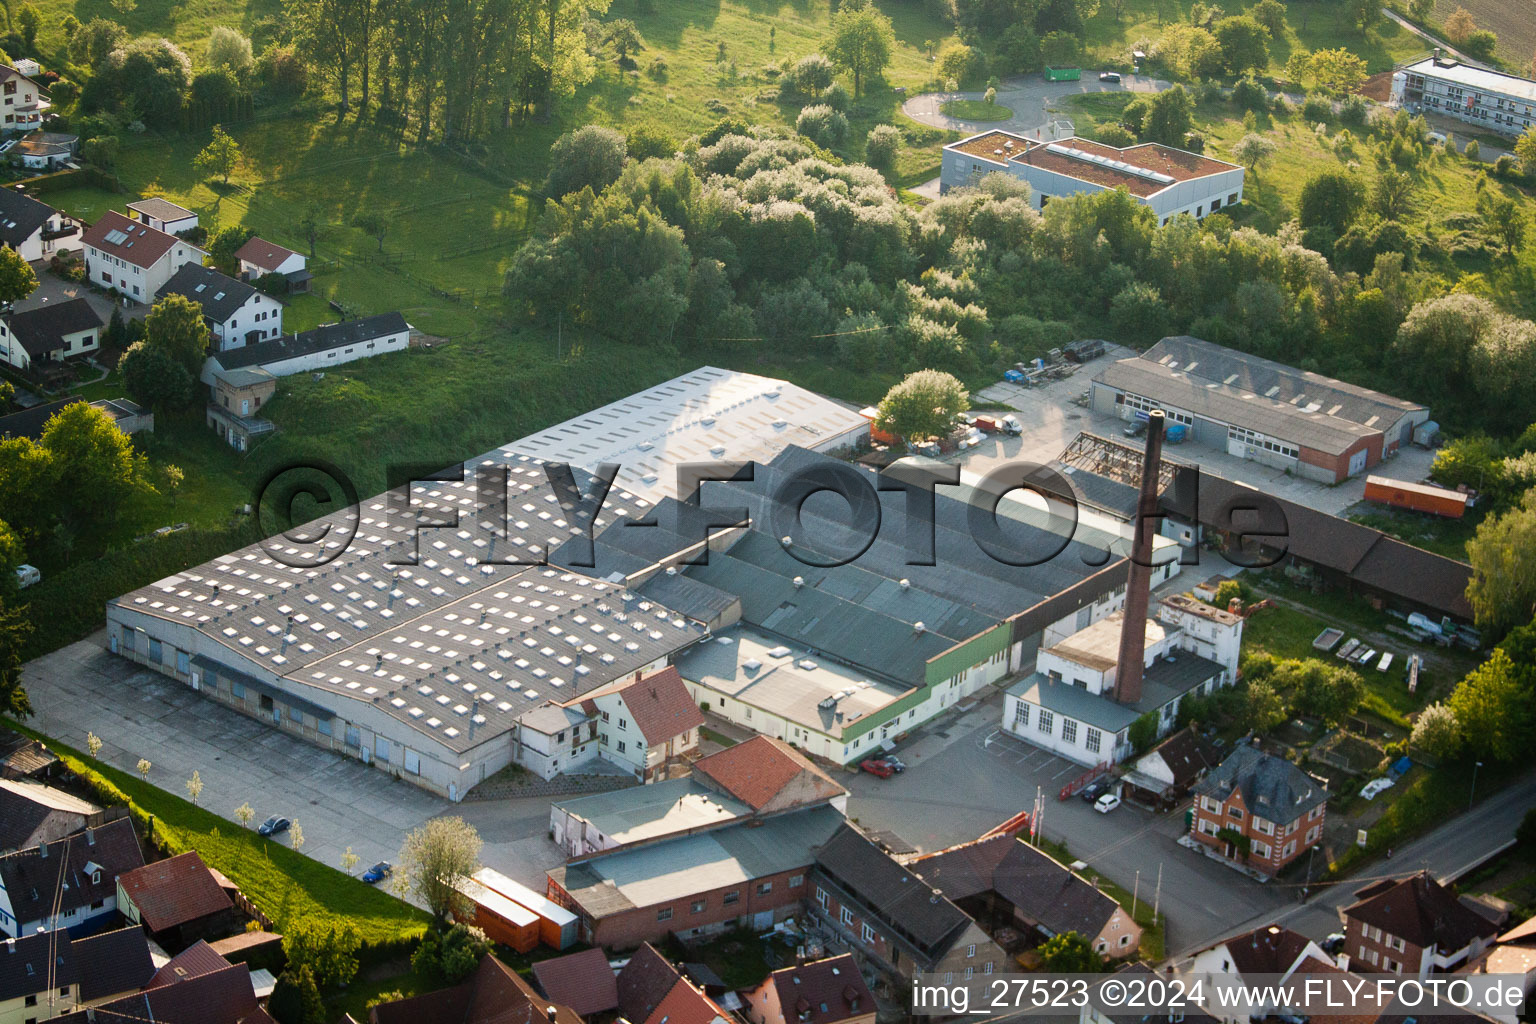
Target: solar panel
{"type": "Point", "coordinates": [116, 237]}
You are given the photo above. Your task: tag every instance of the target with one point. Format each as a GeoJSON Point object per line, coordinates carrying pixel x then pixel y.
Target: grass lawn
{"type": "Point", "coordinates": [287, 886]}
{"type": "Point", "coordinates": [977, 110]}
{"type": "Point", "coordinates": [717, 738]}
{"type": "Point", "coordinates": [1443, 536]}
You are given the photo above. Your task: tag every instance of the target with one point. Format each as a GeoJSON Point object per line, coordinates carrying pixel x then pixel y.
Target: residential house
{"type": "Point", "coordinates": [653, 991]}
{"type": "Point", "coordinates": [260, 258]}
{"type": "Point", "coordinates": [750, 874]}
{"type": "Point", "coordinates": [1002, 881]}
{"type": "Point", "coordinates": [197, 986]}
{"type": "Point", "coordinates": [162, 215]}
{"type": "Point", "coordinates": [1413, 926]}
{"type": "Point", "coordinates": [43, 975]}
{"type": "Point", "coordinates": [640, 725]}
{"type": "Point", "coordinates": [35, 230]}
{"type": "Point", "coordinates": [46, 151]}
{"type": "Point", "coordinates": [493, 994]}
{"type": "Point", "coordinates": [1268, 954]}
{"type": "Point", "coordinates": [1512, 953]}
{"type": "Point", "coordinates": [829, 991]}
{"type": "Point", "coordinates": [31, 814]}
{"type": "Point", "coordinates": [33, 893]}
{"type": "Point", "coordinates": [177, 900]}
{"type": "Point", "coordinates": [759, 777]}
{"type": "Point", "coordinates": [892, 915]}
{"type": "Point", "coordinates": [132, 258]}
{"type": "Point", "coordinates": [235, 396]}
{"type": "Point", "coordinates": [1163, 775]}
{"type": "Point", "coordinates": [1258, 810]}
{"type": "Point", "coordinates": [322, 348]}
{"type": "Point", "coordinates": [21, 102]}
{"type": "Point", "coordinates": [127, 416]}
{"type": "Point", "coordinates": [22, 757]}
{"type": "Point", "coordinates": [236, 313]}
{"type": "Point", "coordinates": [55, 331]}
{"type": "Point", "coordinates": [584, 981]}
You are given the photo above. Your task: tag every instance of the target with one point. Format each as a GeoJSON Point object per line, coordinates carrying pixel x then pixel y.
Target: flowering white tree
{"type": "Point", "coordinates": [144, 767]}
{"type": "Point", "coordinates": [245, 814]}
{"type": "Point", "coordinates": [195, 786]}
{"type": "Point", "coordinates": [298, 837]}
{"type": "Point", "coordinates": [93, 744]}
{"type": "Point", "coordinates": [349, 860]}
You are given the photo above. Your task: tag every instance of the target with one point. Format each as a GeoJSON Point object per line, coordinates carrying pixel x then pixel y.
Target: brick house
{"type": "Point", "coordinates": [890, 914]}
{"type": "Point", "coordinates": [1413, 926]}
{"type": "Point", "coordinates": [1266, 952]}
{"type": "Point", "coordinates": [1259, 810]}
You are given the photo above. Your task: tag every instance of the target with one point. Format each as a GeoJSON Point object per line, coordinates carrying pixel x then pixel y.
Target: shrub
{"type": "Point", "coordinates": [1114, 135]}
{"type": "Point", "coordinates": [811, 74]}
{"type": "Point", "coordinates": [880, 145]}
{"type": "Point", "coordinates": [1249, 94]}
{"type": "Point", "coordinates": [658, 68]}
{"type": "Point", "coordinates": [589, 156]}
{"type": "Point", "coordinates": [822, 125]}
{"type": "Point", "coordinates": [646, 141]}
{"type": "Point", "coordinates": [1317, 108]}
{"type": "Point", "coordinates": [1354, 111]}
{"type": "Point", "coordinates": [1473, 151]}
{"type": "Point", "coordinates": [836, 96]}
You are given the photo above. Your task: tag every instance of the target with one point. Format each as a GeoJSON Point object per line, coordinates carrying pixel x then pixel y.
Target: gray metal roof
{"type": "Point", "coordinates": [161, 209]}
{"type": "Point", "coordinates": [687, 596]}
{"type": "Point", "coordinates": [1233, 387]}
{"type": "Point", "coordinates": [650, 812]}
{"type": "Point", "coordinates": [1272, 787]}
{"type": "Point", "coordinates": [1164, 681]}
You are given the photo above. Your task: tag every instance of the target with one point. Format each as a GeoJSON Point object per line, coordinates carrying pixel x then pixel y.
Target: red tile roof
{"type": "Point", "coordinates": [644, 983]}
{"type": "Point", "coordinates": [494, 994]}
{"type": "Point", "coordinates": [660, 705]}
{"type": "Point", "coordinates": [1268, 950]}
{"type": "Point", "coordinates": [583, 981]}
{"type": "Point", "coordinates": [194, 961]}
{"type": "Point", "coordinates": [758, 769]}
{"type": "Point", "coordinates": [142, 245]}
{"type": "Point", "coordinates": [174, 891]}
{"type": "Point", "coordinates": [823, 991]}
{"type": "Point", "coordinates": [1421, 911]}
{"type": "Point", "coordinates": [264, 254]}
{"type": "Point", "coordinates": [685, 1005]}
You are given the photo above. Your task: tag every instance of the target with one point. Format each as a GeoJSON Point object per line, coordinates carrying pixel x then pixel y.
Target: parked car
{"type": "Point", "coordinates": [273, 825]}
{"type": "Point", "coordinates": [878, 767]}
{"type": "Point", "coordinates": [380, 871]}
{"type": "Point", "coordinates": [1110, 76]}
{"type": "Point", "coordinates": [1093, 791]}
{"type": "Point", "coordinates": [1136, 429]}
{"type": "Point", "coordinates": [897, 764]}
{"type": "Point", "coordinates": [1106, 803]}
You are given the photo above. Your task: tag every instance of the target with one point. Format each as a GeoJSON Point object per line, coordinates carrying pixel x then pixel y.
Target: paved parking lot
{"type": "Point", "coordinates": [339, 801]}
{"type": "Point", "coordinates": [1051, 419]}
{"type": "Point", "coordinates": [965, 776]}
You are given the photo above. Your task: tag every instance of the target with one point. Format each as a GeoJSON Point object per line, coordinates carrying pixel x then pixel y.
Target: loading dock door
{"type": "Point", "coordinates": [1357, 462]}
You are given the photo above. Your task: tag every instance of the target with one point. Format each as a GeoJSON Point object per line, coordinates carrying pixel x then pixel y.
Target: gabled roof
{"type": "Point", "coordinates": [223, 996]}
{"type": "Point", "coordinates": [759, 769]}
{"type": "Point", "coordinates": [26, 805]}
{"type": "Point", "coordinates": [321, 339]}
{"type": "Point", "coordinates": [193, 962]}
{"type": "Point", "coordinates": [1186, 754]}
{"type": "Point", "coordinates": [1043, 890]}
{"type": "Point", "coordinates": [660, 705]}
{"type": "Point", "coordinates": [493, 994]}
{"type": "Point", "coordinates": [644, 983]}
{"type": "Point", "coordinates": [1267, 950]}
{"type": "Point", "coordinates": [30, 879]}
{"type": "Point", "coordinates": [685, 1004]}
{"type": "Point", "coordinates": [30, 422]}
{"type": "Point", "coordinates": [174, 891]}
{"type": "Point", "coordinates": [1272, 787]}
{"type": "Point", "coordinates": [21, 217]}
{"type": "Point", "coordinates": [1523, 933]}
{"type": "Point", "coordinates": [583, 981]}
{"type": "Point", "coordinates": [41, 330]}
{"type": "Point", "coordinates": [1422, 912]}
{"type": "Point", "coordinates": [129, 240]}
{"type": "Point", "coordinates": [822, 991]}
{"type": "Point", "coordinates": [264, 254]}
{"type": "Point", "coordinates": [901, 898]}
{"type": "Point", "coordinates": [220, 296]}
{"type": "Point", "coordinates": [101, 965]}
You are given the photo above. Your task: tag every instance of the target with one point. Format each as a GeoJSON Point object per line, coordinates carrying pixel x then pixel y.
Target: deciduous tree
{"type": "Point", "coordinates": [1459, 24]}
{"type": "Point", "coordinates": [591, 156]}
{"type": "Point", "coordinates": [17, 279]}
{"type": "Point", "coordinates": [230, 49]}
{"type": "Point", "coordinates": [175, 326]}
{"type": "Point", "coordinates": [1336, 71]}
{"type": "Point", "coordinates": [433, 860]}
{"type": "Point", "coordinates": [923, 406]}
{"type": "Point", "coordinates": [15, 627]}
{"type": "Point", "coordinates": [1070, 952]}
{"type": "Point", "coordinates": [373, 224]}
{"type": "Point", "coordinates": [1437, 733]}
{"type": "Point", "coordinates": [1493, 712]}
{"type": "Point", "coordinates": [220, 157]}
{"type": "Point", "coordinates": [1503, 556]}
{"type": "Point", "coordinates": [862, 41]}
{"type": "Point", "coordinates": [1252, 150]}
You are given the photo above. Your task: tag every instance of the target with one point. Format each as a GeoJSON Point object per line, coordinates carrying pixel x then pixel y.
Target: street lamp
{"type": "Point", "coordinates": [1473, 795]}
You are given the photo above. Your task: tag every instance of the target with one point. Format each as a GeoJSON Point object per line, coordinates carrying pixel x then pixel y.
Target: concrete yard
{"type": "Point", "coordinates": [1051, 419]}
{"type": "Point", "coordinates": [338, 800]}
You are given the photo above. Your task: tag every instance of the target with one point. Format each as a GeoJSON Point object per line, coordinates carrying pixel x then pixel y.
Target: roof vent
{"type": "Point", "coordinates": [799, 582]}
{"type": "Point", "coordinates": [906, 584]}
{"type": "Point", "coordinates": [918, 627]}
{"type": "Point", "coordinates": [786, 540]}
{"type": "Point", "coordinates": [671, 570]}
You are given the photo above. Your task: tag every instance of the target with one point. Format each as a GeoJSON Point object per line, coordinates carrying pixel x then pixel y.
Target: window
{"type": "Point", "coordinates": [664, 914]}
{"type": "Point", "coordinates": [1069, 730]}
{"type": "Point", "coordinates": [821, 897]}
{"type": "Point", "coordinates": [129, 639]}
{"type": "Point", "coordinates": [970, 950]}
{"type": "Point", "coordinates": [949, 976]}
{"type": "Point", "coordinates": [183, 663]}
{"type": "Point", "coordinates": [605, 716]}
{"type": "Point", "coordinates": [697, 907]}
{"type": "Point", "coordinates": [1394, 943]}
{"type": "Point", "coordinates": [847, 916]}
{"type": "Point", "coordinates": [987, 967]}
{"type": "Point", "coordinates": [1232, 198]}
{"type": "Point", "coordinates": [1125, 940]}
{"type": "Point", "coordinates": [869, 934]}
{"type": "Point", "coordinates": [1215, 205]}
{"type": "Point", "coordinates": [623, 725]}
{"type": "Point", "coordinates": [154, 650]}
{"type": "Point", "coordinates": [323, 726]}
{"type": "Point", "coordinates": [621, 746]}
{"type": "Point", "coordinates": [32, 1000]}
{"type": "Point", "coordinates": [764, 888]}
{"type": "Point", "coordinates": [237, 689]}
{"type": "Point", "coordinates": [1047, 720]}
{"type": "Point", "coordinates": [969, 973]}
{"type": "Point", "coordinates": [796, 881]}
{"type": "Point", "coordinates": [1261, 849]}
{"type": "Point", "coordinates": [1021, 716]}
{"type": "Point", "coordinates": [1235, 813]}
{"type": "Point", "coordinates": [732, 898]}
{"type": "Point", "coordinates": [1094, 738]}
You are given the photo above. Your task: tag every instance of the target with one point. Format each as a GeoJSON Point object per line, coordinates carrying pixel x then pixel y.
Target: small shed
{"type": "Point", "coordinates": [501, 919]}
{"type": "Point", "coordinates": [557, 925]}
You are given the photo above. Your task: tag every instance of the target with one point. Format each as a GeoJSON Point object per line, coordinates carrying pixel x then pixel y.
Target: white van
{"type": "Point", "coordinates": [26, 575]}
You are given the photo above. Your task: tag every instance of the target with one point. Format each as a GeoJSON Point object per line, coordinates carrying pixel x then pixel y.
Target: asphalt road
{"type": "Point", "coordinates": [1029, 97]}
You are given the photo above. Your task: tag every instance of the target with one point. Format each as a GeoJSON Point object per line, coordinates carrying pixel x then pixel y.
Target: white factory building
{"type": "Point", "coordinates": [1489, 99]}
{"type": "Point", "coordinates": [1170, 181]}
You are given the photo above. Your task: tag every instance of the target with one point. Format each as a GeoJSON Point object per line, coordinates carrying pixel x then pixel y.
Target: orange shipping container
{"type": "Point", "coordinates": [502, 920]}
{"type": "Point", "coordinates": [557, 925]}
{"type": "Point", "coordinates": [875, 433]}
{"type": "Point", "coordinates": [1416, 497]}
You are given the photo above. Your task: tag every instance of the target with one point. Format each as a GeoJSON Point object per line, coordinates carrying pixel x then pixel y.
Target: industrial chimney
{"type": "Point", "coordinates": [1138, 585]}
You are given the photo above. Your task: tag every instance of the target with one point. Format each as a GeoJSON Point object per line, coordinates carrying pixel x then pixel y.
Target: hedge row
{"type": "Point", "coordinates": [285, 885]}
{"type": "Point", "coordinates": [70, 605]}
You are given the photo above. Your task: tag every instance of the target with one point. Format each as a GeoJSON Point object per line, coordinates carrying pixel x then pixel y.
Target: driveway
{"type": "Point", "coordinates": [965, 776]}
{"type": "Point", "coordinates": [1030, 97]}
{"type": "Point", "coordinates": [52, 289]}
{"type": "Point", "coordinates": [339, 801]}
{"type": "Point", "coordinates": [1051, 419]}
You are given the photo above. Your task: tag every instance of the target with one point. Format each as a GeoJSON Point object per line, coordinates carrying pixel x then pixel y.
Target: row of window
{"type": "Point", "coordinates": [1136, 401]}
{"type": "Point", "coordinates": [730, 899]}
{"type": "Point", "coordinates": [1254, 439]}
{"type": "Point", "coordinates": [1046, 723]}
{"type": "Point", "coordinates": [1375, 959]}
{"type": "Point", "coordinates": [869, 936]}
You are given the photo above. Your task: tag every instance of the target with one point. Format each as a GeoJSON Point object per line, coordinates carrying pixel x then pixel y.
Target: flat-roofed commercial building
{"type": "Point", "coordinates": [1489, 99]}
{"type": "Point", "coordinates": [1170, 181]}
{"type": "Point", "coordinates": [1254, 408]}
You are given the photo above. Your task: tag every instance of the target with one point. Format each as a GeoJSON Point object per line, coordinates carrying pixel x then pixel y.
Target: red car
{"type": "Point", "coordinates": [876, 766]}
